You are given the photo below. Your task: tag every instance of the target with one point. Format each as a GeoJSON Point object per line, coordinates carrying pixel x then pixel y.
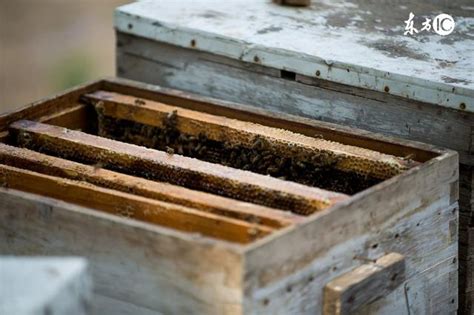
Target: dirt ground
{"type": "Point", "coordinates": [49, 45]}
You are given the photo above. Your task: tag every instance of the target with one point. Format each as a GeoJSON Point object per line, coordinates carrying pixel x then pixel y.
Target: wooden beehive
{"type": "Point", "coordinates": [345, 62]}
{"type": "Point", "coordinates": [185, 204]}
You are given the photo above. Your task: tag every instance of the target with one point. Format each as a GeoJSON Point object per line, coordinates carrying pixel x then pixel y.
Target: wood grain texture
{"type": "Point", "coordinates": [335, 41]}
{"type": "Point", "coordinates": [50, 165]}
{"type": "Point", "coordinates": [175, 169]}
{"type": "Point", "coordinates": [283, 282]}
{"type": "Point", "coordinates": [306, 96]}
{"type": "Point", "coordinates": [235, 132]}
{"type": "Point", "coordinates": [144, 266]}
{"type": "Point", "coordinates": [130, 206]}
{"type": "Point", "coordinates": [50, 108]}
{"type": "Point", "coordinates": [363, 285]}
{"type": "Point", "coordinates": [205, 74]}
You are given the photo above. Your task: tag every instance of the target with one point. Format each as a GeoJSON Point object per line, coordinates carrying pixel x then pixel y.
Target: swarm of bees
{"type": "Point", "coordinates": [259, 157]}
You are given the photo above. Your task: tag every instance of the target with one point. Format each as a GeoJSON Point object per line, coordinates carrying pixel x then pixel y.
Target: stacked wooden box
{"type": "Point", "coordinates": [131, 177]}
{"type": "Point", "coordinates": [346, 62]}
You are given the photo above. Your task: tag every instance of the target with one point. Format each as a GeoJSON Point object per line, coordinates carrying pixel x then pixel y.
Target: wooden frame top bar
{"type": "Point", "coordinates": [131, 206]}
{"type": "Point", "coordinates": [175, 169]}
{"type": "Point", "coordinates": [220, 128]}
{"type": "Point", "coordinates": [53, 166]}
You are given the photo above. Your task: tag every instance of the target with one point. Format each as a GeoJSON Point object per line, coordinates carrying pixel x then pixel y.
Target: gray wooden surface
{"type": "Point", "coordinates": [221, 77]}
{"type": "Point", "coordinates": [139, 268]}
{"type": "Point", "coordinates": [355, 42]}
{"type": "Point", "coordinates": [224, 78]}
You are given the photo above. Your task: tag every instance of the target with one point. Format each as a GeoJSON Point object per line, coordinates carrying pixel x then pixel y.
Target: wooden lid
{"type": "Point", "coordinates": [357, 43]}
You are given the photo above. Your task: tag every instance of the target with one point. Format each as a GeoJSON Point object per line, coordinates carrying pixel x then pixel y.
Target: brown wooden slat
{"type": "Point", "coordinates": [136, 207]}
{"type": "Point", "coordinates": [79, 117]}
{"type": "Point", "coordinates": [49, 165]}
{"type": "Point", "coordinates": [305, 126]}
{"type": "Point", "coordinates": [175, 169]}
{"type": "Point", "coordinates": [223, 129]}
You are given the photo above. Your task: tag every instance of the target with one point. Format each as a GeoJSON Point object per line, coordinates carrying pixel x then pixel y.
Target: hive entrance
{"type": "Point", "coordinates": [185, 169]}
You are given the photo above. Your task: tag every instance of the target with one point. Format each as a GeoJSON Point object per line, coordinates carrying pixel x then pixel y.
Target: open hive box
{"type": "Point", "coordinates": [348, 62]}
{"type": "Point", "coordinates": [185, 204]}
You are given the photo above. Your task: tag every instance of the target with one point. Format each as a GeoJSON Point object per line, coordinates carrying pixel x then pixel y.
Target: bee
{"type": "Point", "coordinates": [202, 150]}
{"type": "Point", "coordinates": [233, 155]}
{"type": "Point", "coordinates": [169, 150]}
{"type": "Point", "coordinates": [180, 149]}
{"type": "Point", "coordinates": [272, 170]}
{"type": "Point", "coordinates": [300, 164]}
{"type": "Point", "coordinates": [171, 116]}
{"type": "Point", "coordinates": [139, 102]}
{"type": "Point", "coordinates": [254, 159]}
{"type": "Point", "coordinates": [243, 157]}
{"type": "Point", "coordinates": [268, 156]}
{"type": "Point", "coordinates": [410, 156]}
{"type": "Point", "coordinates": [258, 143]}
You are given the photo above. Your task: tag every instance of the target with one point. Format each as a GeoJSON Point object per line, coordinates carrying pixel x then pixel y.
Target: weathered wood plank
{"type": "Point", "coordinates": [368, 226]}
{"type": "Point", "coordinates": [174, 169]}
{"type": "Point", "coordinates": [169, 66]}
{"type": "Point", "coordinates": [432, 291]}
{"type": "Point", "coordinates": [235, 132]}
{"type": "Point", "coordinates": [130, 206]}
{"type": "Point", "coordinates": [49, 165]}
{"type": "Point", "coordinates": [79, 117]}
{"type": "Point", "coordinates": [50, 107]}
{"type": "Point", "coordinates": [135, 262]}
{"type": "Point", "coordinates": [363, 285]}
{"type": "Point", "coordinates": [414, 213]}
{"type": "Point", "coordinates": [335, 41]}
{"type": "Point", "coordinates": [334, 132]}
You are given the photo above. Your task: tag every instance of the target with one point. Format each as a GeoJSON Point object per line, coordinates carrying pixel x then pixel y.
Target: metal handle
{"type": "Point", "coordinates": [363, 285]}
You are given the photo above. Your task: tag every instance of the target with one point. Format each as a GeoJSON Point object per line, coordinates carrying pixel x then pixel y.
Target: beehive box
{"type": "Point", "coordinates": [345, 62]}
{"type": "Point", "coordinates": [185, 204]}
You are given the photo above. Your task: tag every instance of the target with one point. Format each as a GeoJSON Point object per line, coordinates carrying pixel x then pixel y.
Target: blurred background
{"type": "Point", "coordinates": [49, 45]}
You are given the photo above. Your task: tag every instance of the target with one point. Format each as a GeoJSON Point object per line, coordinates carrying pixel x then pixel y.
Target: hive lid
{"type": "Point", "coordinates": [358, 43]}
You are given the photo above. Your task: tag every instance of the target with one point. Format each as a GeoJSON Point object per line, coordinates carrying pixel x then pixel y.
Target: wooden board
{"type": "Point", "coordinates": [289, 282]}
{"type": "Point", "coordinates": [364, 285]}
{"type": "Point", "coordinates": [49, 165]}
{"type": "Point", "coordinates": [144, 268]}
{"type": "Point", "coordinates": [232, 80]}
{"type": "Point", "coordinates": [175, 169]}
{"type": "Point", "coordinates": [130, 206]}
{"type": "Point", "coordinates": [357, 43]}
{"type": "Point", "coordinates": [137, 267]}
{"type": "Point", "coordinates": [303, 95]}
{"type": "Point", "coordinates": [422, 226]}
{"type": "Point", "coordinates": [222, 129]}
